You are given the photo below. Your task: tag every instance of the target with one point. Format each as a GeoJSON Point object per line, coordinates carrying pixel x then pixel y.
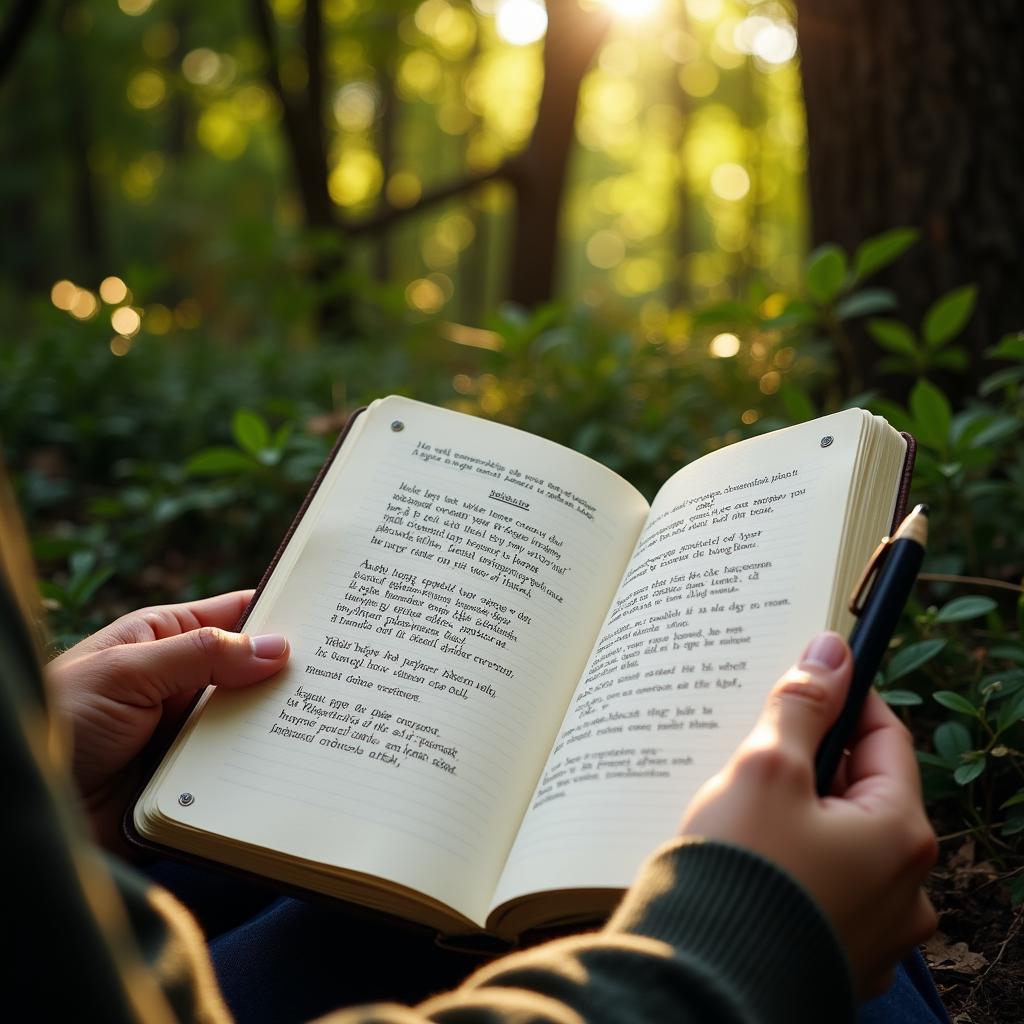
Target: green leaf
{"type": "Point", "coordinates": [1009, 652]}
{"type": "Point", "coordinates": [952, 741]}
{"type": "Point", "coordinates": [281, 436]}
{"type": "Point", "coordinates": [901, 698]}
{"type": "Point", "coordinates": [864, 302]}
{"type": "Point", "coordinates": [796, 312]}
{"type": "Point", "coordinates": [893, 335]}
{"type": "Point", "coordinates": [1001, 379]}
{"type": "Point", "coordinates": [1017, 890]}
{"type": "Point", "coordinates": [1014, 801]}
{"type": "Point", "coordinates": [81, 562]}
{"type": "Point", "coordinates": [955, 702]}
{"type": "Point", "coordinates": [947, 317]}
{"type": "Point", "coordinates": [825, 273]}
{"type": "Point", "coordinates": [960, 609]}
{"type": "Point", "coordinates": [912, 657]}
{"type": "Point", "coordinates": [950, 359]}
{"type": "Point", "coordinates": [82, 590]}
{"type": "Point", "coordinates": [1013, 827]}
{"type": "Point", "coordinates": [250, 431]}
{"type": "Point", "coordinates": [49, 548]}
{"type": "Point", "coordinates": [932, 414]}
{"type": "Point", "coordinates": [998, 430]}
{"type": "Point", "coordinates": [218, 462]}
{"type": "Point", "coordinates": [878, 252]}
{"type": "Point", "coordinates": [51, 591]}
{"type": "Point", "coordinates": [969, 772]}
{"type": "Point", "coordinates": [1011, 346]}
{"type": "Point", "coordinates": [1011, 712]}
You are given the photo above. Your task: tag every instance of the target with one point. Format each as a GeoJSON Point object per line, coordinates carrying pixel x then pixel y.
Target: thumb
{"type": "Point", "coordinates": [806, 701]}
{"type": "Point", "coordinates": [158, 670]}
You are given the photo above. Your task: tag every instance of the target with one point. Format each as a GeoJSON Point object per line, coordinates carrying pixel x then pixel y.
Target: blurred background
{"type": "Point", "coordinates": [643, 228]}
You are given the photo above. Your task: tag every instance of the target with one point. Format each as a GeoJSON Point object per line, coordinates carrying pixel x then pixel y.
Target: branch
{"type": "Point", "coordinates": [265, 30]}
{"type": "Point", "coordinates": [312, 39]}
{"type": "Point", "coordinates": [974, 581]}
{"type": "Point", "coordinates": [302, 122]}
{"type": "Point", "coordinates": [15, 31]}
{"type": "Point", "coordinates": [392, 214]}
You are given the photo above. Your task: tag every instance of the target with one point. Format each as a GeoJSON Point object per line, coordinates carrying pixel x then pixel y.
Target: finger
{"type": "Point", "coordinates": [881, 755]}
{"type": "Point", "coordinates": [222, 612]}
{"type": "Point", "coordinates": [806, 700]}
{"type": "Point", "coordinates": [159, 670]}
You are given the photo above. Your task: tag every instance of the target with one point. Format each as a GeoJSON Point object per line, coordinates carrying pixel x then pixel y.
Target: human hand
{"type": "Point", "coordinates": [112, 690]}
{"type": "Point", "coordinates": [861, 852]}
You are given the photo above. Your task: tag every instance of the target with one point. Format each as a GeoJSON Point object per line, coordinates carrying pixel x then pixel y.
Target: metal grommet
{"type": "Point", "coordinates": [397, 425]}
{"type": "Point", "coordinates": [186, 799]}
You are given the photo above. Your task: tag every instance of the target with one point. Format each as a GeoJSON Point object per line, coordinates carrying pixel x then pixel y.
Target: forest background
{"type": "Point", "coordinates": [643, 228]}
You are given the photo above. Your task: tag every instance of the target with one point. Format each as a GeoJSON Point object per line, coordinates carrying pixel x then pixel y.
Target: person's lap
{"type": "Point", "coordinates": [286, 960]}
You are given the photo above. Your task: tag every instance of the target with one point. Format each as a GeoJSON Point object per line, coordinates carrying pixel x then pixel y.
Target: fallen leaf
{"type": "Point", "coordinates": [943, 955]}
{"type": "Point", "coordinates": [963, 858]}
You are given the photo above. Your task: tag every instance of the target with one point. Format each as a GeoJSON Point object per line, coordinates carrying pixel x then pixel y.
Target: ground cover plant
{"type": "Point", "coordinates": [173, 472]}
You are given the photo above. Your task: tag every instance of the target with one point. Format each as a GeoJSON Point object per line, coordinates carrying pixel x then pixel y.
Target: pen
{"type": "Point", "coordinates": [877, 601]}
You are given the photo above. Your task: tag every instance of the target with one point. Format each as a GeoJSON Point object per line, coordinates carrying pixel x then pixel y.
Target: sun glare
{"type": "Point", "coordinates": [634, 10]}
{"type": "Point", "coordinates": [521, 22]}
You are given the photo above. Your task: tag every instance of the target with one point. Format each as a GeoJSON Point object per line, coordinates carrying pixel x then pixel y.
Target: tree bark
{"type": "Point", "coordinates": [540, 171]}
{"type": "Point", "coordinates": [302, 117]}
{"type": "Point", "coordinates": [89, 233]}
{"type": "Point", "coordinates": [914, 119]}
{"type": "Point", "coordinates": [16, 28]}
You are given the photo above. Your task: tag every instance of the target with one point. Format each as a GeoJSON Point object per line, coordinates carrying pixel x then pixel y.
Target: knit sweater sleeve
{"type": "Point", "coordinates": [707, 933]}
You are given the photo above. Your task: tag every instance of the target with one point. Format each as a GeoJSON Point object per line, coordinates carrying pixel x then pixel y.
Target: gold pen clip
{"type": "Point", "coordinates": [860, 591]}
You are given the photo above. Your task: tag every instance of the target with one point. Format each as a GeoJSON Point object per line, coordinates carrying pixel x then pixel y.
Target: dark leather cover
{"type": "Point", "coordinates": [902, 496]}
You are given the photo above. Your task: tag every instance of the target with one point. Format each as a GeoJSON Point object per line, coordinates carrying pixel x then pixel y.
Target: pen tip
{"type": "Point", "coordinates": [922, 509]}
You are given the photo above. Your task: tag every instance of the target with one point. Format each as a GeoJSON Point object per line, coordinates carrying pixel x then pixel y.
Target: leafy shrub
{"type": "Point", "coordinates": [173, 471]}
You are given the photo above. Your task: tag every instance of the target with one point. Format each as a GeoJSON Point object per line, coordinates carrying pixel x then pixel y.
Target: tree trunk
{"type": "Point", "coordinates": [19, 21]}
{"type": "Point", "coordinates": [914, 119]}
{"type": "Point", "coordinates": [89, 235]}
{"type": "Point", "coordinates": [573, 38]}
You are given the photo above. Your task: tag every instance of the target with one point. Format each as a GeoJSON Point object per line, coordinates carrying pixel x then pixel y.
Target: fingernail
{"type": "Point", "coordinates": [826, 650]}
{"type": "Point", "coordinates": [269, 646]}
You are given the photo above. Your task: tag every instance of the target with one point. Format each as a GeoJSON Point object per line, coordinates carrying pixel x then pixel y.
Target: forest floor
{"type": "Point", "coordinates": [977, 954]}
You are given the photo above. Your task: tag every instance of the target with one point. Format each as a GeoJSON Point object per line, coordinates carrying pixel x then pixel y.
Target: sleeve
{"type": "Point", "coordinates": [708, 932]}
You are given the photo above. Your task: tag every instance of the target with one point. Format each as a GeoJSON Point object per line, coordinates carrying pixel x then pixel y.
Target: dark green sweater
{"type": "Point", "coordinates": [707, 933]}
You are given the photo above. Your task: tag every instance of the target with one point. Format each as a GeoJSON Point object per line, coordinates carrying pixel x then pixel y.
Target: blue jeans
{"type": "Point", "coordinates": [283, 960]}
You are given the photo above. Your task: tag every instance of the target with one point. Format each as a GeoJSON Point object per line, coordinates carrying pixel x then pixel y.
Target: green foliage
{"type": "Point", "coordinates": [173, 470]}
{"type": "Point", "coordinates": [943, 321]}
{"type": "Point", "coordinates": [876, 253]}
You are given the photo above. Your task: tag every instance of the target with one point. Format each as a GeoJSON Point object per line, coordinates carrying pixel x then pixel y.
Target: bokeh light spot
{"type": "Point", "coordinates": [146, 90]}
{"type": "Point", "coordinates": [730, 181]}
{"type": "Point", "coordinates": [126, 321]}
{"type": "Point", "coordinates": [83, 305]}
{"type": "Point", "coordinates": [62, 295]}
{"type": "Point", "coordinates": [113, 290]}
{"type": "Point", "coordinates": [606, 249]}
{"type": "Point", "coordinates": [521, 22]}
{"type": "Point", "coordinates": [724, 346]}
{"type": "Point", "coordinates": [424, 295]}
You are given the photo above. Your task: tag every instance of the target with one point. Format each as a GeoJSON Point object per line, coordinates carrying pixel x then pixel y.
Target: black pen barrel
{"type": "Point", "coordinates": [868, 642]}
